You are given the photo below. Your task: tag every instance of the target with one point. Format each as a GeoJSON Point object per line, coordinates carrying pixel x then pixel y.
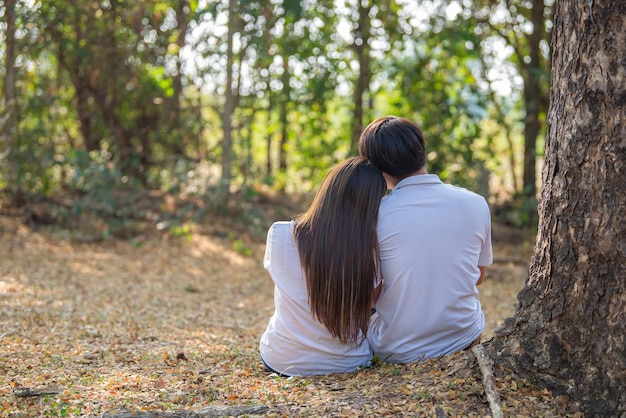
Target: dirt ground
{"type": "Point", "coordinates": [170, 324]}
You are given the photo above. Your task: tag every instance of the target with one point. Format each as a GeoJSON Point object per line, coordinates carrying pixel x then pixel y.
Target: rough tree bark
{"type": "Point", "coordinates": [568, 330]}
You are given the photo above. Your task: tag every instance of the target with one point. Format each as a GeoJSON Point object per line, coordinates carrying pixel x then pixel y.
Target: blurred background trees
{"type": "Point", "coordinates": [215, 97]}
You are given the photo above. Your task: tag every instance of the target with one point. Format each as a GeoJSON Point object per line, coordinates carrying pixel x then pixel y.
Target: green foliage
{"type": "Point", "coordinates": [440, 91]}
{"type": "Point", "coordinates": [94, 173]}
{"type": "Point", "coordinates": [119, 60]}
{"type": "Point", "coordinates": [183, 231]}
{"type": "Point", "coordinates": [114, 97]}
{"type": "Point", "coordinates": [96, 190]}
{"type": "Point", "coordinates": [523, 212]}
{"type": "Point", "coordinates": [99, 185]}
{"type": "Point", "coordinates": [241, 247]}
{"type": "Point", "coordinates": [180, 175]}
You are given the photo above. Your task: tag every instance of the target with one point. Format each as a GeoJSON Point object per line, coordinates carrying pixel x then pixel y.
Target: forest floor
{"type": "Point", "coordinates": [166, 325]}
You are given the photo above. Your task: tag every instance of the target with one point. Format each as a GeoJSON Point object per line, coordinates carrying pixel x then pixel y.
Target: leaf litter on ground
{"type": "Point", "coordinates": [171, 326]}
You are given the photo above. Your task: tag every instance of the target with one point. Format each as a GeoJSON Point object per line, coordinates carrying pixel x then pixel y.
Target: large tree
{"type": "Point", "coordinates": [568, 330]}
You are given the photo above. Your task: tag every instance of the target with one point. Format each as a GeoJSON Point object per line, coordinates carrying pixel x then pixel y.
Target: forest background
{"type": "Point", "coordinates": [125, 120]}
{"type": "Point", "coordinates": [146, 146]}
{"type": "Point", "coordinates": [107, 101]}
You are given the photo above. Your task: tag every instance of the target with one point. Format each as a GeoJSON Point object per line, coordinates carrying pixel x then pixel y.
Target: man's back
{"type": "Point", "coordinates": [432, 239]}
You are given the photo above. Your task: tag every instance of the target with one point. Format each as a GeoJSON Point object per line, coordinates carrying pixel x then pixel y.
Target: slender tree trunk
{"type": "Point", "coordinates": [174, 102]}
{"type": "Point", "coordinates": [229, 108]}
{"type": "Point", "coordinates": [270, 133]}
{"type": "Point", "coordinates": [501, 119]}
{"type": "Point", "coordinates": [284, 122]}
{"type": "Point", "coordinates": [268, 13]}
{"type": "Point", "coordinates": [532, 128]}
{"type": "Point", "coordinates": [508, 133]}
{"type": "Point", "coordinates": [80, 81]}
{"type": "Point", "coordinates": [8, 87]}
{"type": "Point", "coordinates": [85, 114]}
{"type": "Point", "coordinates": [361, 86]}
{"type": "Point", "coordinates": [534, 103]}
{"type": "Point", "coordinates": [201, 151]}
{"type": "Point", "coordinates": [568, 332]}
{"type": "Point", "coordinates": [246, 159]}
{"type": "Point", "coordinates": [8, 122]}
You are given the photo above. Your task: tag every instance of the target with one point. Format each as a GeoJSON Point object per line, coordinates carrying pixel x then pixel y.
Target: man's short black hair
{"type": "Point", "coordinates": [395, 145]}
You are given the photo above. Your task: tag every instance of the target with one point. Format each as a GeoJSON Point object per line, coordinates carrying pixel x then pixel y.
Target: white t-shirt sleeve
{"type": "Point", "coordinates": [486, 253]}
{"type": "Point", "coordinates": [267, 259]}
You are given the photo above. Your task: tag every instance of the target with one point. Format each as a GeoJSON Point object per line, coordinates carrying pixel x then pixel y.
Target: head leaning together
{"type": "Point", "coordinates": [395, 145]}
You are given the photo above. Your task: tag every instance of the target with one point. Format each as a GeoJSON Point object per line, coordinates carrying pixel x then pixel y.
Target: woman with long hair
{"type": "Point", "coordinates": [324, 264]}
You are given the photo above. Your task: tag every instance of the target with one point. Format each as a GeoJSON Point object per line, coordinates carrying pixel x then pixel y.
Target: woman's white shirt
{"type": "Point", "coordinates": [295, 343]}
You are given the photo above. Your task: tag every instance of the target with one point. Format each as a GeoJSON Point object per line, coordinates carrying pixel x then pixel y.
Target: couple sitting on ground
{"type": "Point", "coordinates": [361, 273]}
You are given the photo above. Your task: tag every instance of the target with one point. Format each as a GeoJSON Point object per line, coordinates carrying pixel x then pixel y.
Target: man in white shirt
{"type": "Point", "coordinates": [435, 242]}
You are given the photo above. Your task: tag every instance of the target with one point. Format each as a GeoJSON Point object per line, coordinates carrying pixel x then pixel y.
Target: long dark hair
{"type": "Point", "coordinates": [395, 145]}
{"type": "Point", "coordinates": [338, 247]}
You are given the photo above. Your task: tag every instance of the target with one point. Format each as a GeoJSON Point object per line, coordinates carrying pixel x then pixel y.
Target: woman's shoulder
{"type": "Point", "coordinates": [281, 231]}
{"type": "Point", "coordinates": [282, 226]}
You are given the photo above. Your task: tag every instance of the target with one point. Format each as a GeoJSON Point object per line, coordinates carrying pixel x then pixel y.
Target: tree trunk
{"type": "Point", "coordinates": [84, 112]}
{"type": "Point", "coordinates": [361, 48]}
{"type": "Point", "coordinates": [500, 118]}
{"type": "Point", "coordinates": [534, 103]}
{"type": "Point", "coordinates": [269, 134]}
{"type": "Point", "coordinates": [229, 108]}
{"type": "Point", "coordinates": [9, 121]}
{"type": "Point", "coordinates": [283, 118]}
{"type": "Point", "coordinates": [268, 13]}
{"type": "Point", "coordinates": [568, 331]}
{"type": "Point", "coordinates": [174, 102]}
{"type": "Point", "coordinates": [8, 87]}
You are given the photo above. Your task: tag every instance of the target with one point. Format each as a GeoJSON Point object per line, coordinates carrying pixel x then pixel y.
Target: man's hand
{"type": "Point", "coordinates": [482, 275]}
{"type": "Point", "coordinates": [377, 292]}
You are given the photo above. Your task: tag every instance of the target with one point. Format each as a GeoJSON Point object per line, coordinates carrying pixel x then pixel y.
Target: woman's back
{"type": "Point", "coordinates": [295, 342]}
